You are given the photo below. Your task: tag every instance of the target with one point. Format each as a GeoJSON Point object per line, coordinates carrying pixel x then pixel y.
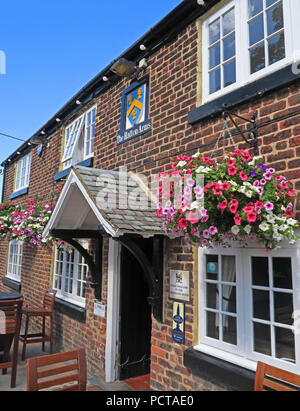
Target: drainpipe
{"type": "Point", "coordinates": [3, 182]}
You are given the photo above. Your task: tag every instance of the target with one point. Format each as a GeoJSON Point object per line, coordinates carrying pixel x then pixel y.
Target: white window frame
{"type": "Point", "coordinates": [72, 297]}
{"type": "Point", "coordinates": [72, 135]}
{"type": "Point", "coordinates": [243, 75]}
{"type": "Point", "coordinates": [243, 354]}
{"type": "Point", "coordinates": [87, 135]}
{"type": "Point", "coordinates": [75, 131]}
{"type": "Point", "coordinates": [14, 260]}
{"type": "Point", "coordinates": [23, 172]}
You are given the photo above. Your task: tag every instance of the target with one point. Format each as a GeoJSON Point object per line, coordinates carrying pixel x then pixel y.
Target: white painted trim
{"type": "Point", "coordinates": [243, 354]}
{"type": "Point", "coordinates": [113, 298]}
{"type": "Point", "coordinates": [291, 10]}
{"type": "Point", "coordinates": [67, 190]}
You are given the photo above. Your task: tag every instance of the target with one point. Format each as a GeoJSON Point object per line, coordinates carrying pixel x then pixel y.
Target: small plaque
{"type": "Point", "coordinates": [99, 309]}
{"type": "Point", "coordinates": [212, 268]}
{"type": "Point", "coordinates": [180, 285]}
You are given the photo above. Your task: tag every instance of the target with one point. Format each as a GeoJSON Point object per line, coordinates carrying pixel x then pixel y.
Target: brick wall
{"type": "Point", "coordinates": [173, 93]}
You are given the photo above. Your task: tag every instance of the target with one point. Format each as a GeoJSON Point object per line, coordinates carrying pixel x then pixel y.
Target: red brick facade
{"type": "Point", "coordinates": [173, 71]}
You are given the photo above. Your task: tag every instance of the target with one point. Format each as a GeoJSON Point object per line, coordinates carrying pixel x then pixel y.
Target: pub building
{"type": "Point", "coordinates": [141, 302]}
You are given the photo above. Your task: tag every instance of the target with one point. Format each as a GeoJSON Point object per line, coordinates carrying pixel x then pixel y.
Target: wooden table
{"type": "Point", "coordinates": [8, 296]}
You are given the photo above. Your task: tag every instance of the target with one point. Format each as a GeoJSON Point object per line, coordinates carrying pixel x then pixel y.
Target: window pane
{"type": "Point", "coordinates": [212, 267]}
{"type": "Point", "coordinates": [229, 330]}
{"type": "Point", "coordinates": [285, 344]}
{"type": "Point", "coordinates": [256, 30]}
{"type": "Point", "coordinates": [229, 299]}
{"type": "Point", "coordinates": [215, 81]}
{"type": "Point", "coordinates": [212, 325]}
{"type": "Point", "coordinates": [214, 32]}
{"type": "Point", "coordinates": [229, 73]}
{"type": "Point", "coordinates": [255, 7]}
{"type": "Point", "coordinates": [261, 305]}
{"type": "Point", "coordinates": [228, 269]}
{"type": "Point", "coordinates": [260, 271]}
{"type": "Point", "coordinates": [228, 22]}
{"type": "Point", "coordinates": [214, 56]}
{"type": "Point", "coordinates": [212, 296]}
{"type": "Point", "coordinates": [282, 273]}
{"type": "Point", "coordinates": [284, 308]}
{"type": "Point", "coordinates": [276, 48]}
{"type": "Point", "coordinates": [257, 58]}
{"type": "Point", "coordinates": [270, 2]}
{"type": "Point", "coordinates": [262, 339]}
{"type": "Point", "coordinates": [275, 19]}
{"type": "Point", "coordinates": [229, 47]}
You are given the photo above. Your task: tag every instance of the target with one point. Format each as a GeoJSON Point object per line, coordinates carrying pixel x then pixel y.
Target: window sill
{"type": "Point", "coordinates": [13, 284]}
{"type": "Point", "coordinates": [86, 163]}
{"type": "Point", "coordinates": [71, 310]}
{"type": "Point", "coordinates": [219, 371]}
{"type": "Point", "coordinates": [19, 193]}
{"type": "Point", "coordinates": [277, 79]}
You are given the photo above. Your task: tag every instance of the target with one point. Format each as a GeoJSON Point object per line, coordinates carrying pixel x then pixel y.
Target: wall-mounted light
{"type": "Point", "coordinates": [43, 133]}
{"type": "Point", "coordinates": [123, 67]}
{"type": "Point", "coordinates": [201, 2]}
{"type": "Point", "coordinates": [143, 47]}
{"type": "Point", "coordinates": [58, 120]}
{"type": "Point", "coordinates": [104, 78]}
{"type": "Point", "coordinates": [78, 102]}
{"type": "Point", "coordinates": [36, 140]}
{"type": "Point", "coordinates": [18, 152]}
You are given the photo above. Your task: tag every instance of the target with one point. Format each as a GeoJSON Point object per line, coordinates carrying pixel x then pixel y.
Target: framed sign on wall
{"type": "Point", "coordinates": [180, 285]}
{"type": "Point", "coordinates": [135, 111]}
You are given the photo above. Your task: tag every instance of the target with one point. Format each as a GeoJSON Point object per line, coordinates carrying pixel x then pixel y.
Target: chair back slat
{"type": "Point", "coordinates": [49, 299]}
{"type": "Point", "coordinates": [75, 373]}
{"type": "Point", "coordinates": [10, 316]}
{"type": "Point", "coordinates": [270, 378]}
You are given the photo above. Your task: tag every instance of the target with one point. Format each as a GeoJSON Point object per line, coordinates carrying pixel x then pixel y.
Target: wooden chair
{"type": "Point", "coordinates": [270, 378]}
{"type": "Point", "coordinates": [74, 375]}
{"type": "Point", "coordinates": [10, 324]}
{"type": "Point", "coordinates": [47, 310]}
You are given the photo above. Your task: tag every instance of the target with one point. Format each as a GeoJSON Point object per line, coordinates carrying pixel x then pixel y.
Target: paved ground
{"type": "Point", "coordinates": [35, 351]}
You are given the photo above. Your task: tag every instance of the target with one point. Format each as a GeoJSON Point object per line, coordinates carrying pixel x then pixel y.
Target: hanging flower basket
{"type": "Point", "coordinates": [240, 199]}
{"type": "Point", "coordinates": [27, 226]}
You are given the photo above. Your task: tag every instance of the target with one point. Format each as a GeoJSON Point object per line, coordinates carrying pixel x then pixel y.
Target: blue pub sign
{"type": "Point", "coordinates": [135, 111]}
{"type": "Point", "coordinates": [178, 332]}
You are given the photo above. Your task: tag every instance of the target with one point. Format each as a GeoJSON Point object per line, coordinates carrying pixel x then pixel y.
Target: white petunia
{"type": "Point", "coordinates": [264, 227]}
{"type": "Point", "coordinates": [181, 163]}
{"type": "Point", "coordinates": [248, 229]}
{"type": "Point", "coordinates": [235, 229]}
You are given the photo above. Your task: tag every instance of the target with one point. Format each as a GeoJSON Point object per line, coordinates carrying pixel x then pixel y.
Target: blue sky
{"type": "Point", "coordinates": [53, 48]}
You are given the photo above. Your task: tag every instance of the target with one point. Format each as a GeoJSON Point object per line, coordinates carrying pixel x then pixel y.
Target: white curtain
{"type": "Point", "coordinates": [228, 275]}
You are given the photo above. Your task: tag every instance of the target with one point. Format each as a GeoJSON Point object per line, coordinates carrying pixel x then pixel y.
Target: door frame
{"type": "Point", "coordinates": [113, 307]}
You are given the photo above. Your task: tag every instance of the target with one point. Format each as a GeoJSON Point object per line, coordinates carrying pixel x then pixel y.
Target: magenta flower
{"type": "Point", "coordinates": [190, 182]}
{"type": "Point", "coordinates": [206, 234]}
{"type": "Point", "coordinates": [268, 175]}
{"type": "Point", "coordinates": [213, 230]}
{"type": "Point", "coordinates": [269, 206]}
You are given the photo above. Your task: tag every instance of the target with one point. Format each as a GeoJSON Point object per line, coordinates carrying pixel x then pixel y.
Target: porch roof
{"type": "Point", "coordinates": [93, 197]}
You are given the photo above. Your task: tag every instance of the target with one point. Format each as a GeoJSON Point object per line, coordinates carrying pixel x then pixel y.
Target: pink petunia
{"type": "Point", "coordinates": [237, 219]}
{"type": "Point", "coordinates": [232, 171]}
